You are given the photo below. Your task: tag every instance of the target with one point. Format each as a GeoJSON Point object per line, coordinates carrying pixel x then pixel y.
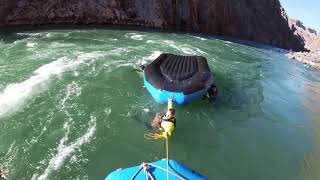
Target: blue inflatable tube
{"type": "Point", "coordinates": [174, 167]}
{"type": "Point", "coordinates": [181, 78]}
{"type": "Point", "coordinates": [179, 98]}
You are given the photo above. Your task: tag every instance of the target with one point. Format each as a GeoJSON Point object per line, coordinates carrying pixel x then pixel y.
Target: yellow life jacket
{"type": "Point", "coordinates": [168, 125]}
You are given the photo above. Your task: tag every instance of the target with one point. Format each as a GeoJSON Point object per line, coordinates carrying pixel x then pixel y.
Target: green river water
{"type": "Point", "coordinates": [72, 106]}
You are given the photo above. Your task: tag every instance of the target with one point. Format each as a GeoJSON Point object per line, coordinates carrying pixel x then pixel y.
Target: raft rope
{"type": "Point", "coordinates": [167, 154]}
{"type": "Point", "coordinates": [161, 135]}
{"type": "Point", "coordinates": [145, 167]}
{"type": "Point", "coordinates": [157, 136]}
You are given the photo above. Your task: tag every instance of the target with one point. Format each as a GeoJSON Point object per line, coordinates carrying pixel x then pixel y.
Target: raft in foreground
{"type": "Point", "coordinates": [181, 78]}
{"type": "Point", "coordinates": [158, 171]}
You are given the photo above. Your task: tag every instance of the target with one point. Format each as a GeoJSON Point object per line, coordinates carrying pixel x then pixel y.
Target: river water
{"type": "Point", "coordinates": [72, 106]}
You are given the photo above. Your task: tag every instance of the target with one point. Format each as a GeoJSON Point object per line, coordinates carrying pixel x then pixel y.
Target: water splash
{"type": "Point", "coordinates": [135, 36]}
{"type": "Point", "coordinates": [72, 89]}
{"type": "Point", "coordinates": [151, 57]}
{"type": "Point", "coordinates": [187, 50]}
{"type": "Point", "coordinates": [30, 44]}
{"type": "Point", "coordinates": [14, 96]}
{"type": "Point", "coordinates": [64, 151]}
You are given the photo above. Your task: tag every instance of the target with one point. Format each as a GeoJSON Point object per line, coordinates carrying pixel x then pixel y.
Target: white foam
{"type": "Point", "coordinates": [151, 57]}
{"type": "Point", "coordinates": [138, 37]}
{"type": "Point", "coordinates": [200, 51]}
{"type": "Point", "coordinates": [48, 35]}
{"type": "Point", "coordinates": [64, 151]}
{"type": "Point", "coordinates": [186, 50]}
{"type": "Point", "coordinates": [135, 36]}
{"type": "Point", "coordinates": [15, 95]}
{"type": "Point", "coordinates": [150, 41]}
{"type": "Point", "coordinates": [60, 45]}
{"type": "Point", "coordinates": [29, 34]}
{"type": "Point", "coordinates": [8, 158]}
{"type": "Point", "coordinates": [198, 37]}
{"type": "Point", "coordinates": [72, 89]}
{"type": "Point", "coordinates": [118, 51]}
{"type": "Point", "coordinates": [31, 44]}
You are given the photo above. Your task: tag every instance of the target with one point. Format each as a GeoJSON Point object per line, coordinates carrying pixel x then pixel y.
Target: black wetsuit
{"type": "Point", "coordinates": [173, 120]}
{"type": "Point", "coordinates": [212, 95]}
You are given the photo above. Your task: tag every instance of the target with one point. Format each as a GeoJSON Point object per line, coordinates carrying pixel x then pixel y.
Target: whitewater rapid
{"type": "Point", "coordinates": [15, 96]}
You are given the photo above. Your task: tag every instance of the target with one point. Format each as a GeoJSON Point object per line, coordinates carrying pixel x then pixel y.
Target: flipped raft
{"type": "Point", "coordinates": [181, 78]}
{"type": "Point", "coordinates": [157, 170]}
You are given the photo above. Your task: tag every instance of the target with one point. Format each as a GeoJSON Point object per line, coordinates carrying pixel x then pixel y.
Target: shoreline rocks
{"type": "Point", "coordinates": [311, 58]}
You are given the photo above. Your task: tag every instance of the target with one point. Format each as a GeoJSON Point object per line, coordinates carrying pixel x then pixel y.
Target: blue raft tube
{"type": "Point", "coordinates": [181, 78]}
{"type": "Point", "coordinates": [157, 171]}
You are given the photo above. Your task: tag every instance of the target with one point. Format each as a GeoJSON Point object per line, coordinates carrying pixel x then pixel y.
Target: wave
{"type": "Point", "coordinates": [150, 41]}
{"type": "Point", "coordinates": [185, 49]}
{"type": "Point", "coordinates": [135, 36]}
{"type": "Point", "coordinates": [7, 159]}
{"type": "Point", "coordinates": [16, 95]}
{"type": "Point", "coordinates": [60, 45]}
{"type": "Point", "coordinates": [64, 151]}
{"type": "Point", "coordinates": [198, 37]}
{"type": "Point", "coordinates": [151, 57]}
{"type": "Point", "coordinates": [30, 44]}
{"type": "Point", "coordinates": [29, 34]}
{"type": "Point", "coordinates": [73, 89]}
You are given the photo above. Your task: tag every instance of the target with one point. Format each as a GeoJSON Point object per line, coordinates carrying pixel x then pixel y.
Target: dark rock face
{"type": "Point", "coordinates": [312, 31]}
{"type": "Point", "coordinates": [296, 23]}
{"type": "Point", "coordinates": [262, 21]}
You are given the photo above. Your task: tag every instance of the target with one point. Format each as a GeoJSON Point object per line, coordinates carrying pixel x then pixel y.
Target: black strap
{"type": "Point", "coordinates": [173, 120]}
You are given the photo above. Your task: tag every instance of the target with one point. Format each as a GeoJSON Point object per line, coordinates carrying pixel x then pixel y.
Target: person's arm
{"type": "Point", "coordinates": [156, 121]}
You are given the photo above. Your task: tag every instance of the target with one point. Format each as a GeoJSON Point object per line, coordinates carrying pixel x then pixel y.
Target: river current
{"type": "Point", "coordinates": [73, 106]}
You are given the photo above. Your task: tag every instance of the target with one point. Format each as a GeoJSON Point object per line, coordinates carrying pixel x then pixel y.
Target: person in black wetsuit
{"type": "Point", "coordinates": [212, 93]}
{"type": "Point", "coordinates": [142, 67]}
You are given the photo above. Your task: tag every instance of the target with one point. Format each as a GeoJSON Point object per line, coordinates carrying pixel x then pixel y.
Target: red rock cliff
{"type": "Point", "coordinates": [262, 21]}
{"type": "Point", "coordinates": [308, 35]}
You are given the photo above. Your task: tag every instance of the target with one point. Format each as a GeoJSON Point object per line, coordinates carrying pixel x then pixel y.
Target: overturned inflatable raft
{"type": "Point", "coordinates": [156, 170]}
{"type": "Point", "coordinates": [181, 78]}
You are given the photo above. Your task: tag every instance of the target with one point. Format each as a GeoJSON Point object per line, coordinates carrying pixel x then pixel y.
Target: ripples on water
{"type": "Point", "coordinates": [72, 106]}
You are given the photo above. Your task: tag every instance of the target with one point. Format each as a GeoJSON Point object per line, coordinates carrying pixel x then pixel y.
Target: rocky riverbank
{"type": "Point", "coordinates": [311, 58]}
{"type": "Point", "coordinates": [311, 39]}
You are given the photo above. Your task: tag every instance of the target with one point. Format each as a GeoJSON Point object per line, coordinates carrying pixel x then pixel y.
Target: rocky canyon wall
{"type": "Point", "coordinates": [262, 21]}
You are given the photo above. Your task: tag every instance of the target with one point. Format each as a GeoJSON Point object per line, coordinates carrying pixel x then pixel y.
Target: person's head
{"type": "Point", "coordinates": [214, 88]}
{"type": "Point", "coordinates": [170, 113]}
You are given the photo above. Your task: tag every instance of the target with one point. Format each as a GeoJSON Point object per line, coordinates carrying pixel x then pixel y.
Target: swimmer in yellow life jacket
{"type": "Point", "coordinates": [166, 122]}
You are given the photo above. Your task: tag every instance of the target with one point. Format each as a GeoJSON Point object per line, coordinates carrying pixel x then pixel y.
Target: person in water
{"type": "Point", "coordinates": [166, 122]}
{"type": "Point", "coordinates": [212, 93]}
{"type": "Point", "coordinates": [142, 67]}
